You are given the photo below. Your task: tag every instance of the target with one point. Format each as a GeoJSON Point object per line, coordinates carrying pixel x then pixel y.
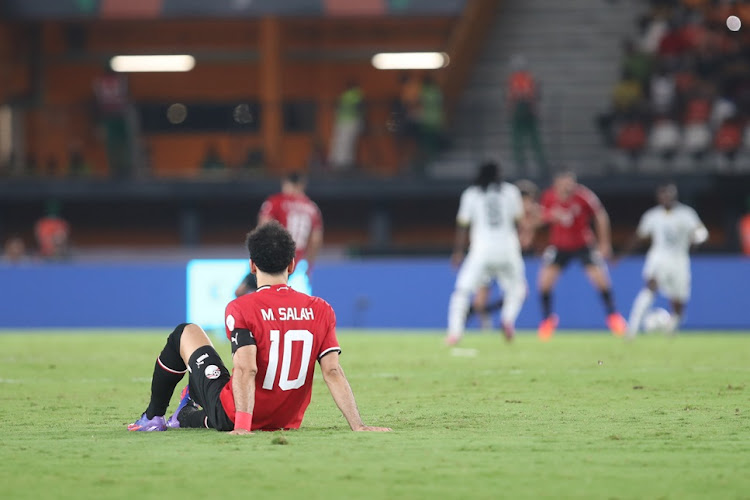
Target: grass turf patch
{"type": "Point", "coordinates": [584, 416]}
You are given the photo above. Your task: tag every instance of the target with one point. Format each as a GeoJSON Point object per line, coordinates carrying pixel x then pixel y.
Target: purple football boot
{"type": "Point", "coordinates": [144, 424]}
{"type": "Point", "coordinates": [173, 423]}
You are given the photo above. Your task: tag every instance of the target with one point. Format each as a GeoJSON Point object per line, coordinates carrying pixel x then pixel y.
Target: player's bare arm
{"type": "Point", "coordinates": [460, 245]}
{"type": "Point", "coordinates": [342, 393]}
{"type": "Point", "coordinates": [314, 244]}
{"type": "Point", "coordinates": [603, 232]}
{"type": "Point", "coordinates": [243, 387]}
{"type": "Point", "coordinates": [700, 236]}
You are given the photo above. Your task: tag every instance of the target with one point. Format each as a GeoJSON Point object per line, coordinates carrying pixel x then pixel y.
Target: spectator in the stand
{"type": "Point", "coordinates": [664, 138]}
{"type": "Point", "coordinates": [347, 128]}
{"type": "Point", "coordinates": [728, 139]}
{"type": "Point", "coordinates": [409, 102]}
{"type": "Point", "coordinates": [627, 96]}
{"type": "Point", "coordinates": [663, 91]}
{"type": "Point", "coordinates": [674, 43]}
{"type": "Point", "coordinates": [52, 233]}
{"type": "Point", "coordinates": [631, 137]}
{"type": "Point", "coordinates": [212, 161]}
{"type": "Point", "coordinates": [523, 97]}
{"type": "Point", "coordinates": [406, 117]}
{"type": "Point", "coordinates": [654, 29]}
{"type": "Point", "coordinates": [431, 122]}
{"type": "Point", "coordinates": [697, 134]}
{"type": "Point", "coordinates": [114, 112]}
{"type": "Point", "coordinates": [636, 63]}
{"type": "Point", "coordinates": [15, 250]}
{"type": "Point", "coordinates": [722, 109]}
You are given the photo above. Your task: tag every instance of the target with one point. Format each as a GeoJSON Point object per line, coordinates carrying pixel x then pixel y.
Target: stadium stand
{"type": "Point", "coordinates": [686, 85]}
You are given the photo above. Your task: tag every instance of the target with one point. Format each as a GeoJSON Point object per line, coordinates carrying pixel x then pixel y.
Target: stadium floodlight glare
{"type": "Point", "coordinates": [152, 64]}
{"type": "Point", "coordinates": [410, 60]}
{"type": "Point", "coordinates": [734, 23]}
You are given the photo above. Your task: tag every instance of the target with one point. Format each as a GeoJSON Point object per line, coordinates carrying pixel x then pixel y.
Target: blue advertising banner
{"type": "Point", "coordinates": [367, 293]}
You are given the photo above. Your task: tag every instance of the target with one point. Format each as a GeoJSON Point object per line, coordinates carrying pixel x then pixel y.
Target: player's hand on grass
{"type": "Point", "coordinates": [368, 428]}
{"type": "Point", "coordinates": [241, 432]}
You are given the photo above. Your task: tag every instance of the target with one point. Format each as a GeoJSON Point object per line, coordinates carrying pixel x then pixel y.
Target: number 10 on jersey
{"type": "Point", "coordinates": [290, 337]}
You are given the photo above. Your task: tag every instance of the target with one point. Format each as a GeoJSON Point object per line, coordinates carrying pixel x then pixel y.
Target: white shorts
{"type": "Point", "coordinates": [671, 273]}
{"type": "Point", "coordinates": [480, 267]}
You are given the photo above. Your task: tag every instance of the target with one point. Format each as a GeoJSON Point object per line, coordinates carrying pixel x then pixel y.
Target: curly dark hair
{"type": "Point", "coordinates": [271, 247]}
{"type": "Point", "coordinates": [489, 173]}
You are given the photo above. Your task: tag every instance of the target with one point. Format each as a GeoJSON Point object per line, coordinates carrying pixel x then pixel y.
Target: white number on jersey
{"type": "Point", "coordinates": [494, 213]}
{"type": "Point", "coordinates": [299, 225]}
{"type": "Point", "coordinates": [290, 337]}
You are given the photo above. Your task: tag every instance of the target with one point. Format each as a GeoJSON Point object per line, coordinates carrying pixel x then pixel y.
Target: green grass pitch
{"type": "Point", "coordinates": [584, 416]}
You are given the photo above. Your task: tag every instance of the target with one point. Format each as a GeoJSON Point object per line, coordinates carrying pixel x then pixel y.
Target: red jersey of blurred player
{"type": "Point", "coordinates": [570, 217]}
{"type": "Point", "coordinates": [298, 214]}
{"type": "Point", "coordinates": [569, 209]}
{"type": "Point", "coordinates": [292, 331]}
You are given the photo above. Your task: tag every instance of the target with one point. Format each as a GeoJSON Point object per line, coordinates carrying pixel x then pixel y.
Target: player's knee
{"type": "Point", "coordinates": [651, 285]}
{"type": "Point", "coordinates": [174, 338]}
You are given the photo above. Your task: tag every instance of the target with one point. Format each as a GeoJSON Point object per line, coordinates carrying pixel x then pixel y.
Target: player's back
{"type": "Point", "coordinates": [297, 213]}
{"type": "Point", "coordinates": [492, 214]}
{"type": "Point", "coordinates": [292, 330]}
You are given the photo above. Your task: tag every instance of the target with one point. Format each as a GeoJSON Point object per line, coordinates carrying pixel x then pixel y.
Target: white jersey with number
{"type": "Point", "coordinates": [492, 215]}
{"type": "Point", "coordinates": [668, 260]}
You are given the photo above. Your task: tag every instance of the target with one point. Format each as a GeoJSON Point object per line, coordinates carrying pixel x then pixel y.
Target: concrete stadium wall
{"type": "Point", "coordinates": [371, 293]}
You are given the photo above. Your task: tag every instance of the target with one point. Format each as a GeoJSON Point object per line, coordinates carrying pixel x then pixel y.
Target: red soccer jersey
{"type": "Point", "coordinates": [292, 331]}
{"type": "Point", "coordinates": [297, 213]}
{"type": "Point", "coordinates": [570, 219]}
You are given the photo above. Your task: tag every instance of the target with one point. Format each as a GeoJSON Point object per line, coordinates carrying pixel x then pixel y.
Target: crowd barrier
{"type": "Point", "coordinates": [365, 293]}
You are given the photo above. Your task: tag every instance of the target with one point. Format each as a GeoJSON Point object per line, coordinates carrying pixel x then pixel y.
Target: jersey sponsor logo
{"type": "Point", "coordinates": [201, 359]}
{"type": "Point", "coordinates": [230, 323]}
{"type": "Point", "coordinates": [212, 372]}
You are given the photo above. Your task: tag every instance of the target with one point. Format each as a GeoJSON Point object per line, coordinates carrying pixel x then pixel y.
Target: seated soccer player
{"type": "Point", "coordinates": [276, 335]}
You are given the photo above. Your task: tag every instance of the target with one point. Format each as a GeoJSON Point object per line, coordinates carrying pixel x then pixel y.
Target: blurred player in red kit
{"type": "Point", "coordinates": [276, 335]}
{"type": "Point", "coordinates": [302, 218]}
{"type": "Point", "coordinates": [568, 208]}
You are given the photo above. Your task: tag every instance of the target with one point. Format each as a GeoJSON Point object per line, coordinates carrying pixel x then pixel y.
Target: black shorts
{"type": "Point", "coordinates": [588, 256]}
{"type": "Point", "coordinates": [208, 376]}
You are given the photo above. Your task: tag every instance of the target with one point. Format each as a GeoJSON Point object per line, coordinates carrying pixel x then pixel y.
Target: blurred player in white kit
{"type": "Point", "coordinates": [672, 228]}
{"type": "Point", "coordinates": [488, 214]}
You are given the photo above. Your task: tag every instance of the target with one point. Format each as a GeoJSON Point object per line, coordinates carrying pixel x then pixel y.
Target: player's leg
{"type": "Point", "coordinates": [596, 270]}
{"type": "Point", "coordinates": [169, 369]}
{"type": "Point", "coordinates": [467, 282]}
{"type": "Point", "coordinates": [552, 264]}
{"type": "Point", "coordinates": [479, 306]}
{"type": "Point", "coordinates": [512, 279]}
{"type": "Point", "coordinates": [677, 289]}
{"type": "Point", "coordinates": [642, 303]}
{"type": "Point", "coordinates": [208, 379]}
